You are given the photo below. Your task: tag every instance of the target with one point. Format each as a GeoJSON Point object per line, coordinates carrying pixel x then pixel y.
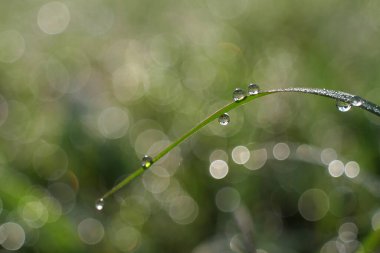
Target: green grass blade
{"type": "Point", "coordinates": [337, 95]}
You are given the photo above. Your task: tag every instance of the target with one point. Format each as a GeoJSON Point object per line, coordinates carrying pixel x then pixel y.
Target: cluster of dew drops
{"type": "Point", "coordinates": [346, 106]}
{"type": "Point", "coordinates": [238, 95]}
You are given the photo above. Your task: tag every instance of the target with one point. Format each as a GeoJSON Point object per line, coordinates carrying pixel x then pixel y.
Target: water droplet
{"type": "Point", "coordinates": [224, 119]}
{"type": "Point", "coordinates": [343, 106]}
{"type": "Point", "coordinates": [99, 204]}
{"type": "Point", "coordinates": [238, 95]}
{"type": "Point", "coordinates": [253, 89]}
{"type": "Point", "coordinates": [146, 161]}
{"type": "Point", "coordinates": [356, 101]}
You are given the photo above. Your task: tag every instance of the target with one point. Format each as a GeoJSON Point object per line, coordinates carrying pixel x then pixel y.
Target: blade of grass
{"type": "Point", "coordinates": [337, 95]}
{"type": "Point", "coordinates": [371, 243]}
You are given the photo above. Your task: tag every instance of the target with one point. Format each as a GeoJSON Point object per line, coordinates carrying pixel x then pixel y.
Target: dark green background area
{"type": "Point", "coordinates": [89, 87]}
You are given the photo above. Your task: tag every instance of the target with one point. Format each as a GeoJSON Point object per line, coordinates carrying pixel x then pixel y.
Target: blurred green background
{"type": "Point", "coordinates": [88, 87]}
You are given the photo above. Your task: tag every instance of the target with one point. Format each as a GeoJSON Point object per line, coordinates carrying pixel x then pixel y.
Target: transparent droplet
{"type": "Point", "coordinates": [238, 94]}
{"type": "Point", "coordinates": [224, 119]}
{"type": "Point", "coordinates": [253, 89]}
{"type": "Point", "coordinates": [343, 106]}
{"type": "Point", "coordinates": [146, 161]}
{"type": "Point", "coordinates": [99, 204]}
{"type": "Point", "coordinates": [356, 101]}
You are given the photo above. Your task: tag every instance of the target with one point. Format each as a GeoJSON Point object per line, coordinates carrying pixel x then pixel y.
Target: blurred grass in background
{"type": "Point", "coordinates": [88, 88]}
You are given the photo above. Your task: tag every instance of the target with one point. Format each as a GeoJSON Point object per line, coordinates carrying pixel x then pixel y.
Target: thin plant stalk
{"type": "Point", "coordinates": [349, 99]}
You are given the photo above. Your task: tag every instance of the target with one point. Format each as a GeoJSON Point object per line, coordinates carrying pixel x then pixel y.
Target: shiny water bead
{"type": "Point", "coordinates": [224, 119]}
{"type": "Point", "coordinates": [238, 94]}
{"type": "Point", "coordinates": [356, 101]}
{"type": "Point", "coordinates": [99, 204]}
{"type": "Point", "coordinates": [253, 89]}
{"type": "Point", "coordinates": [343, 106]}
{"type": "Point", "coordinates": [146, 161]}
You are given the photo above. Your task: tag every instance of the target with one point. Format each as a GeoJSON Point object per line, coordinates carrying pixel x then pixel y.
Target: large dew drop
{"type": "Point", "coordinates": [253, 89]}
{"type": "Point", "coordinates": [146, 161]}
{"type": "Point", "coordinates": [224, 119]}
{"type": "Point", "coordinates": [238, 95]}
{"type": "Point", "coordinates": [343, 106]}
{"type": "Point", "coordinates": [356, 101]}
{"type": "Point", "coordinates": [99, 204]}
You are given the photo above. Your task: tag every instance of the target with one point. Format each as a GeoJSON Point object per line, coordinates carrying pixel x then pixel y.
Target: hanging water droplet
{"type": "Point", "coordinates": [343, 106]}
{"type": "Point", "coordinates": [224, 119]}
{"type": "Point", "coordinates": [146, 161]}
{"type": "Point", "coordinates": [356, 101]}
{"type": "Point", "coordinates": [99, 204]}
{"type": "Point", "coordinates": [238, 94]}
{"type": "Point", "coordinates": [253, 89]}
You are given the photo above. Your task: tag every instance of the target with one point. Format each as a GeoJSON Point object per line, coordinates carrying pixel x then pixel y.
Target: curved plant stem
{"type": "Point", "coordinates": [337, 95]}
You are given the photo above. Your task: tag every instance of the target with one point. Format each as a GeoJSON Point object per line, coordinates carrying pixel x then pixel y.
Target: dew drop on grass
{"type": "Point", "coordinates": [99, 204]}
{"type": "Point", "coordinates": [343, 106]}
{"type": "Point", "coordinates": [253, 89]}
{"type": "Point", "coordinates": [146, 161]}
{"type": "Point", "coordinates": [238, 94]}
{"type": "Point", "coordinates": [224, 119]}
{"type": "Point", "coordinates": [356, 101]}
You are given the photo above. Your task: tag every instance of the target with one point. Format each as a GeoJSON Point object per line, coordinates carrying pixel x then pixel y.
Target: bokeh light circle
{"type": "Point", "coordinates": [155, 183]}
{"type": "Point", "coordinates": [90, 231]}
{"type": "Point", "coordinates": [183, 210]}
{"type": "Point", "coordinates": [227, 199]}
{"type": "Point", "coordinates": [352, 169]}
{"type": "Point", "coordinates": [348, 232]}
{"type": "Point", "coordinates": [218, 154]}
{"type": "Point", "coordinates": [34, 214]}
{"type": "Point", "coordinates": [240, 154]}
{"type": "Point", "coordinates": [218, 169]}
{"type": "Point", "coordinates": [53, 17]}
{"type": "Point", "coordinates": [12, 236]}
{"type": "Point", "coordinates": [113, 122]}
{"type": "Point", "coordinates": [257, 160]}
{"type": "Point", "coordinates": [336, 168]}
{"type": "Point", "coordinates": [12, 46]}
{"type": "Point", "coordinates": [126, 239]}
{"type": "Point", "coordinates": [135, 210]}
{"type": "Point", "coordinates": [313, 204]}
{"type": "Point", "coordinates": [281, 151]}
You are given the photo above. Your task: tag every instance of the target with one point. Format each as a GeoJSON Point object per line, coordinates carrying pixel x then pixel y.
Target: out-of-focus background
{"type": "Point", "coordinates": [88, 87]}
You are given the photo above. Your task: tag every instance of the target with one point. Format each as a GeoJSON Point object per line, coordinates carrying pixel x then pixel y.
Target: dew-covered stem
{"type": "Point", "coordinates": [338, 95]}
{"type": "Point", "coordinates": [239, 100]}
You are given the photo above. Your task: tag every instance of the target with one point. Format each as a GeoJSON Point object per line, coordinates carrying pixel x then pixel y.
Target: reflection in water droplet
{"type": "Point", "coordinates": [343, 106]}
{"type": "Point", "coordinates": [356, 101]}
{"type": "Point", "coordinates": [146, 161]}
{"type": "Point", "coordinates": [253, 89]}
{"type": "Point", "coordinates": [99, 204]}
{"type": "Point", "coordinates": [224, 119]}
{"type": "Point", "coordinates": [238, 94]}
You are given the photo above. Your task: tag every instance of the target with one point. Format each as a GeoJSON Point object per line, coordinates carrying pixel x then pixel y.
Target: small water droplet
{"type": "Point", "coordinates": [253, 89]}
{"type": "Point", "coordinates": [238, 95]}
{"type": "Point", "coordinates": [146, 161]}
{"type": "Point", "coordinates": [99, 204]}
{"type": "Point", "coordinates": [343, 106]}
{"type": "Point", "coordinates": [224, 119]}
{"type": "Point", "coordinates": [356, 101]}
